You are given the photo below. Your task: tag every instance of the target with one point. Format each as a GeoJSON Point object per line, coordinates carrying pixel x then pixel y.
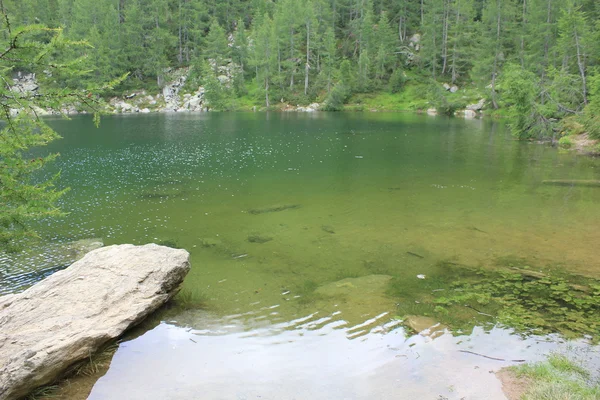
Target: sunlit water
{"type": "Point", "coordinates": [275, 206]}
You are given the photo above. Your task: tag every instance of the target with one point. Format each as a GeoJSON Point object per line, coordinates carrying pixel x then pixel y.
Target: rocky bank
{"type": "Point", "coordinates": [69, 315]}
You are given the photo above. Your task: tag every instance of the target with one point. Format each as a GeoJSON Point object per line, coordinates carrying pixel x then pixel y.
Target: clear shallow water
{"type": "Point", "coordinates": [274, 206]}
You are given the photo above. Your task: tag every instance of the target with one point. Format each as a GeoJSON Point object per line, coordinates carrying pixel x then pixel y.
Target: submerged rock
{"type": "Point", "coordinates": [357, 299]}
{"type": "Point", "coordinates": [328, 229]}
{"type": "Point", "coordinates": [425, 326]}
{"type": "Point", "coordinates": [259, 238]}
{"type": "Point", "coordinates": [69, 315]}
{"type": "Point", "coordinates": [273, 209]}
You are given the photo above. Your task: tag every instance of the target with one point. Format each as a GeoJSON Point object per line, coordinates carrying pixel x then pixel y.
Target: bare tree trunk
{"type": "Point", "coordinates": [581, 65]}
{"type": "Point", "coordinates": [121, 13]}
{"type": "Point", "coordinates": [446, 17]}
{"type": "Point", "coordinates": [267, 91]}
{"type": "Point", "coordinates": [292, 56]}
{"type": "Point", "coordinates": [180, 56]}
{"type": "Point", "coordinates": [524, 23]}
{"type": "Point", "coordinates": [546, 42]}
{"type": "Point", "coordinates": [307, 66]}
{"type": "Point", "coordinates": [454, 67]}
{"type": "Point", "coordinates": [495, 69]}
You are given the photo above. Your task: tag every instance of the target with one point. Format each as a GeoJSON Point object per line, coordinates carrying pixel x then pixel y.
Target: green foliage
{"type": "Point", "coordinates": [558, 378]}
{"type": "Point", "coordinates": [215, 94]}
{"type": "Point", "coordinates": [336, 98]}
{"type": "Point", "coordinates": [397, 81]}
{"type": "Point", "coordinates": [24, 195]}
{"type": "Point", "coordinates": [519, 96]}
{"type": "Point", "coordinates": [526, 301]}
{"type": "Point", "coordinates": [442, 100]}
{"type": "Point", "coordinates": [565, 142]}
{"type": "Point", "coordinates": [591, 117]}
{"type": "Point", "coordinates": [298, 51]}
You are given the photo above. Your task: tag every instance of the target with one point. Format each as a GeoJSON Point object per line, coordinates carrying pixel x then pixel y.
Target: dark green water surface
{"type": "Point", "coordinates": [278, 210]}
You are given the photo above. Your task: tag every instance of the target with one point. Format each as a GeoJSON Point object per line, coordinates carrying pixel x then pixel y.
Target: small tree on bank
{"type": "Point", "coordinates": [33, 49]}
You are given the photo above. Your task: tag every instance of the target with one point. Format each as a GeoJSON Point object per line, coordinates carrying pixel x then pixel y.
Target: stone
{"type": "Point", "coordinates": [25, 84]}
{"type": "Point", "coordinates": [446, 86]}
{"type": "Point", "coordinates": [256, 238]}
{"type": "Point", "coordinates": [68, 316]}
{"type": "Point", "coordinates": [431, 111]}
{"type": "Point", "coordinates": [358, 299]}
{"type": "Point", "coordinates": [469, 114]}
{"type": "Point", "coordinates": [425, 326]}
{"type": "Point", "coordinates": [477, 106]}
{"type": "Point", "coordinates": [416, 38]}
{"type": "Point", "coordinates": [453, 89]}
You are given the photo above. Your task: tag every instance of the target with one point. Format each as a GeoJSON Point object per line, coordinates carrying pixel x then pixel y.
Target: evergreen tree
{"type": "Point", "coordinates": [572, 43]}
{"type": "Point", "coordinates": [31, 48]}
{"type": "Point", "coordinates": [216, 49]}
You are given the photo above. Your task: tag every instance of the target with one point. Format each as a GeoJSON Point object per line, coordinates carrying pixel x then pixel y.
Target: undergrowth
{"type": "Point", "coordinates": [558, 378]}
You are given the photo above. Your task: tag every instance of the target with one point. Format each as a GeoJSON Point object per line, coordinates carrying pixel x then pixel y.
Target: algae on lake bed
{"type": "Point", "coordinates": [528, 301]}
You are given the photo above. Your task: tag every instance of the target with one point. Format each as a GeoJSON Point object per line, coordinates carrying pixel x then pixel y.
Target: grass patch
{"type": "Point", "coordinates": [558, 378]}
{"type": "Point", "coordinates": [91, 368]}
{"type": "Point", "coordinates": [189, 299]}
{"type": "Point", "coordinates": [44, 392]}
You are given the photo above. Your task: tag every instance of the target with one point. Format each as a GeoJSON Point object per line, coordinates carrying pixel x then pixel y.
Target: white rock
{"type": "Point", "coordinates": [69, 315]}
{"type": "Point", "coordinates": [470, 114]}
{"type": "Point", "coordinates": [446, 86]}
{"type": "Point", "coordinates": [145, 110]}
{"type": "Point", "coordinates": [477, 106]}
{"type": "Point", "coordinates": [432, 111]}
{"type": "Point", "coordinates": [453, 89]}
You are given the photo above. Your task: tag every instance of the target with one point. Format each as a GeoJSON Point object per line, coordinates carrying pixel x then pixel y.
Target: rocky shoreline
{"type": "Point", "coordinates": [175, 96]}
{"type": "Point", "coordinates": [69, 315]}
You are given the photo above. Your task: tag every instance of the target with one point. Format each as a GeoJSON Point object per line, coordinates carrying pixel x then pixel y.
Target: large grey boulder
{"type": "Point", "coordinates": [69, 315]}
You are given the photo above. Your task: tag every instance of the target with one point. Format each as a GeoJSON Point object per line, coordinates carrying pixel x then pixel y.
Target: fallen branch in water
{"type": "Point", "coordinates": [414, 254]}
{"type": "Point", "coordinates": [491, 358]}
{"type": "Point", "coordinates": [572, 182]}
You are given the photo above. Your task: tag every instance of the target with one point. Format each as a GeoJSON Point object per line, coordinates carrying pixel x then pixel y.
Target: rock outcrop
{"type": "Point", "coordinates": [24, 84]}
{"type": "Point", "coordinates": [310, 108]}
{"type": "Point", "coordinates": [69, 315]}
{"type": "Point", "coordinates": [476, 106]}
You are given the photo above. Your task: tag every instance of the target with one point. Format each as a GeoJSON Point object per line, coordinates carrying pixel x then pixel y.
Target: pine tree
{"type": "Point", "coordinates": [31, 48]}
{"type": "Point", "coordinates": [216, 49]}
{"type": "Point", "coordinates": [574, 34]}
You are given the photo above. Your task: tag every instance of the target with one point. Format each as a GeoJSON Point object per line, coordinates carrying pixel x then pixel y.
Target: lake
{"type": "Point", "coordinates": [311, 235]}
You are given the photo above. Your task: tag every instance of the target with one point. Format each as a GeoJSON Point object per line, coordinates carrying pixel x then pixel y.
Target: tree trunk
{"type": "Point", "coordinates": [121, 13]}
{"type": "Point", "coordinates": [267, 91]}
{"type": "Point", "coordinates": [496, 55]}
{"type": "Point", "coordinates": [307, 66]}
{"type": "Point", "coordinates": [454, 48]}
{"type": "Point", "coordinates": [524, 24]}
{"type": "Point", "coordinates": [446, 17]}
{"type": "Point", "coordinates": [292, 57]}
{"type": "Point", "coordinates": [581, 65]}
{"type": "Point", "coordinates": [180, 56]}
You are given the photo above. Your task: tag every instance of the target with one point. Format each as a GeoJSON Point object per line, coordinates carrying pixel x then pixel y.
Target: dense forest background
{"type": "Point", "coordinates": [536, 59]}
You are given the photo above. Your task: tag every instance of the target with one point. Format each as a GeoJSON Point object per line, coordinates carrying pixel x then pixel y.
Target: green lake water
{"type": "Point", "coordinates": [291, 218]}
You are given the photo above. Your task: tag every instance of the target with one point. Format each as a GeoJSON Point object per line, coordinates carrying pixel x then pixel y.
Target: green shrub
{"type": "Point", "coordinates": [397, 81]}
{"type": "Point", "coordinates": [565, 142]}
{"type": "Point", "coordinates": [336, 98]}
